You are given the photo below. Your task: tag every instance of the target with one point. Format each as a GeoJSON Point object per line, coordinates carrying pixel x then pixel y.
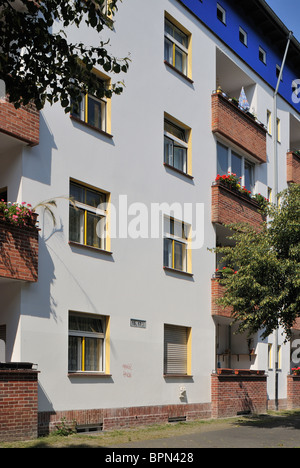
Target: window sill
{"type": "Point", "coordinates": [88, 374]}
{"type": "Point", "coordinates": [166, 376]}
{"type": "Point", "coordinates": [90, 247]}
{"type": "Point", "coordinates": [181, 272]}
{"type": "Point", "coordinates": [178, 171]}
{"type": "Point", "coordinates": [179, 72]}
{"type": "Point", "coordinates": [98, 130]}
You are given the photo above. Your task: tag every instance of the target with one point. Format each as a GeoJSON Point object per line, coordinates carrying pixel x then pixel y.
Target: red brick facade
{"type": "Point", "coordinates": [22, 123]}
{"type": "Point", "coordinates": [217, 291]}
{"type": "Point", "coordinates": [19, 248]}
{"type": "Point", "coordinates": [293, 168]}
{"type": "Point", "coordinates": [235, 125]}
{"type": "Point", "coordinates": [18, 404]}
{"type": "Point", "coordinates": [231, 207]}
{"type": "Point", "coordinates": [234, 394]}
{"type": "Point", "coordinates": [293, 391]}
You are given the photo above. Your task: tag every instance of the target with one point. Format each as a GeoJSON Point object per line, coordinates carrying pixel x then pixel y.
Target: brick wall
{"type": "Point", "coordinates": [293, 391]}
{"type": "Point", "coordinates": [19, 248]}
{"type": "Point", "coordinates": [18, 404]}
{"type": "Point", "coordinates": [217, 291]}
{"type": "Point", "coordinates": [231, 207]}
{"type": "Point", "coordinates": [233, 394]}
{"type": "Point", "coordinates": [114, 418]}
{"type": "Point", "coordinates": [232, 123]}
{"type": "Point", "coordinates": [293, 168]}
{"type": "Point", "coordinates": [22, 123]}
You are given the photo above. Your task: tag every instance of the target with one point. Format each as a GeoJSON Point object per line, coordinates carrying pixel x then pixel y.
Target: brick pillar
{"type": "Point", "coordinates": [18, 404]}
{"type": "Point", "coordinates": [293, 391]}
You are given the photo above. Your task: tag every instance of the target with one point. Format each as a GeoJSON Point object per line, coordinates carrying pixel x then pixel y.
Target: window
{"type": "Point", "coordinates": [243, 36]}
{"type": "Point", "coordinates": [86, 343]}
{"type": "Point", "coordinates": [221, 13]}
{"type": "Point", "coordinates": [88, 216]}
{"type": "Point", "coordinates": [93, 111]}
{"type": "Point", "coordinates": [175, 147]}
{"type": "Point", "coordinates": [176, 47]}
{"type": "Point", "coordinates": [176, 244]}
{"type": "Point", "coordinates": [262, 55]}
{"type": "Point", "coordinates": [177, 350]}
{"type": "Point", "coordinates": [270, 356]}
{"type": "Point", "coordinates": [229, 161]}
{"type": "Point", "coordinates": [269, 122]}
{"type": "Point", "coordinates": [278, 131]}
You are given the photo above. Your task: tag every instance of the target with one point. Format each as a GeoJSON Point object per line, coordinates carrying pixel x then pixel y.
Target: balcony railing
{"type": "Point", "coordinates": [21, 124]}
{"type": "Point", "coordinates": [19, 247]}
{"type": "Point", "coordinates": [293, 167]}
{"type": "Point", "coordinates": [230, 206]}
{"type": "Point", "coordinates": [239, 127]}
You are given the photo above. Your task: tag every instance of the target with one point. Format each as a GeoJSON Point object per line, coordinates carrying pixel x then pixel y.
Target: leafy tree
{"type": "Point", "coordinates": [37, 61]}
{"type": "Point", "coordinates": [262, 283]}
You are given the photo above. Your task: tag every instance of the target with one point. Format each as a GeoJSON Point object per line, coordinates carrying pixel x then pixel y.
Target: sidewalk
{"type": "Point", "coordinates": [262, 432]}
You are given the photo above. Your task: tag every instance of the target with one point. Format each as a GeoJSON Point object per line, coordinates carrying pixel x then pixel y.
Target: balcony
{"type": "Point", "coordinates": [230, 206]}
{"type": "Point", "coordinates": [19, 248]}
{"type": "Point", "coordinates": [239, 127]}
{"type": "Point", "coordinates": [18, 125]}
{"type": "Point", "coordinates": [293, 167]}
{"type": "Point", "coordinates": [217, 291]}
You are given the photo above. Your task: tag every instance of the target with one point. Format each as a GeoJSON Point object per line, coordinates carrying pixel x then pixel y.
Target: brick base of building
{"type": "Point", "coordinates": [237, 394]}
{"type": "Point", "coordinates": [116, 418]}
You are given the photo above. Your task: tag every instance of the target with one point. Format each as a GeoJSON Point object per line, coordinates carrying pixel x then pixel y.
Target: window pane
{"type": "Point", "coordinates": [222, 159]}
{"type": "Point", "coordinates": [95, 113]}
{"type": "Point", "coordinates": [180, 61]}
{"type": "Point", "coordinates": [168, 51]}
{"type": "Point", "coordinates": [74, 353]}
{"type": "Point", "coordinates": [93, 354]}
{"type": "Point", "coordinates": [168, 151]}
{"type": "Point", "coordinates": [179, 256]}
{"type": "Point", "coordinates": [77, 193]}
{"type": "Point", "coordinates": [180, 37]}
{"type": "Point", "coordinates": [174, 130]}
{"type": "Point", "coordinates": [92, 237]}
{"type": "Point", "coordinates": [180, 158]}
{"type": "Point", "coordinates": [236, 164]}
{"type": "Point", "coordinates": [85, 324]}
{"type": "Point", "coordinates": [94, 198]}
{"type": "Point", "coordinates": [249, 176]}
{"type": "Point", "coordinates": [76, 225]}
{"type": "Point", "coordinates": [168, 262]}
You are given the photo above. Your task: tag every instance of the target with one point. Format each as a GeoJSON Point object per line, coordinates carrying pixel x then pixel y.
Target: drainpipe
{"type": "Point", "coordinates": [275, 191]}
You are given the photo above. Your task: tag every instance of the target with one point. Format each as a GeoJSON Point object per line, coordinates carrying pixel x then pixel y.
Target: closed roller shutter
{"type": "Point", "coordinates": [175, 350]}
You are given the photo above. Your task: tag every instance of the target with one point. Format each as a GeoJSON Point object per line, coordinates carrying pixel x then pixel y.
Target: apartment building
{"type": "Point", "coordinates": [115, 303]}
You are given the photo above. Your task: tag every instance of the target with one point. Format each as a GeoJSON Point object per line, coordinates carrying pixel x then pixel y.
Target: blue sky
{"type": "Point", "coordinates": [289, 13]}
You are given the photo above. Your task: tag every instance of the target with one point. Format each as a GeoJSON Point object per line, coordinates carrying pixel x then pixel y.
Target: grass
{"type": "Point", "coordinates": [289, 419]}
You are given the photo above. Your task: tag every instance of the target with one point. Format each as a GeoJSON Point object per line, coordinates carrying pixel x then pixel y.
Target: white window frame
{"type": "Point", "coordinates": [264, 55]}
{"type": "Point", "coordinates": [244, 160]}
{"type": "Point", "coordinates": [223, 13]}
{"type": "Point", "coordinates": [245, 36]}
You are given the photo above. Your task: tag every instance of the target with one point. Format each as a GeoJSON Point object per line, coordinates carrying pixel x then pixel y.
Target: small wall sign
{"type": "Point", "coordinates": [138, 323]}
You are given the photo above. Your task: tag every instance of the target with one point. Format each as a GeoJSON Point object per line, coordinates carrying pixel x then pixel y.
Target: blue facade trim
{"type": "Point", "coordinates": [206, 11]}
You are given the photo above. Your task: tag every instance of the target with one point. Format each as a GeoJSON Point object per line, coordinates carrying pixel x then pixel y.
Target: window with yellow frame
{"type": "Point", "coordinates": [176, 243]}
{"type": "Point", "coordinates": [177, 45]}
{"type": "Point", "coordinates": [88, 216]}
{"type": "Point", "coordinates": [88, 343]}
{"type": "Point", "coordinates": [94, 111]}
